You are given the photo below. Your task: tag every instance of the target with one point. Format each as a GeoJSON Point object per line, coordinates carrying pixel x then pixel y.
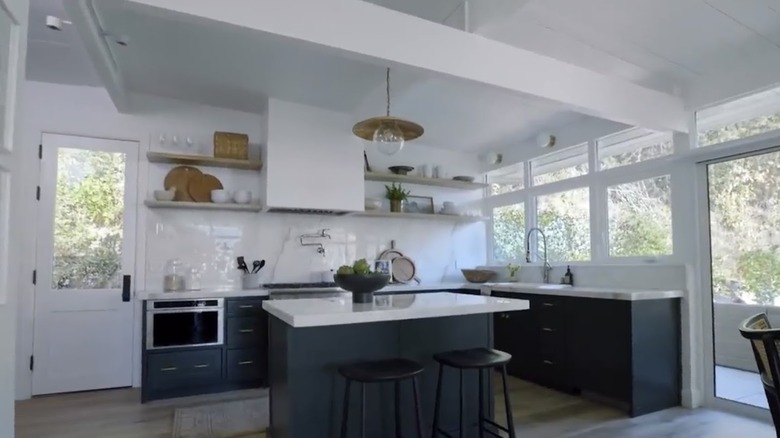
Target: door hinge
{"type": "Point", "coordinates": [38, 193]}
{"type": "Point", "coordinates": [32, 362]}
{"type": "Point", "coordinates": [35, 276]}
{"type": "Point", "coordinates": [40, 151]}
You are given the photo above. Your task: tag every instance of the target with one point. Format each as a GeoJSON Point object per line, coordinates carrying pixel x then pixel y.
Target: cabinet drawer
{"type": "Point", "coordinates": [246, 331]}
{"type": "Point", "coordinates": [185, 368]}
{"type": "Point", "coordinates": [245, 307]}
{"type": "Point", "coordinates": [246, 364]}
{"type": "Point", "coordinates": [549, 312]}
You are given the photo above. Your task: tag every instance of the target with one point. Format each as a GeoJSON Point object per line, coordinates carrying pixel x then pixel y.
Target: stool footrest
{"type": "Point", "coordinates": [494, 424]}
{"type": "Point", "coordinates": [444, 432]}
{"type": "Point", "coordinates": [493, 433]}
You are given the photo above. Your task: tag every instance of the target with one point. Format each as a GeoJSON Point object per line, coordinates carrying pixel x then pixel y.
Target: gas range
{"type": "Point", "coordinates": [293, 291]}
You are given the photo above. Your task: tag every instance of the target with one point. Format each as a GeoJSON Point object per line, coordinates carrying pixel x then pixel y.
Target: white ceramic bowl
{"type": "Point", "coordinates": [243, 196]}
{"type": "Point", "coordinates": [164, 195]}
{"type": "Point", "coordinates": [220, 196]}
{"type": "Point", "coordinates": [373, 204]}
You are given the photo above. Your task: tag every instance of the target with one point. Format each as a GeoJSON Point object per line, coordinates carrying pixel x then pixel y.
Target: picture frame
{"type": "Point", "coordinates": [383, 266]}
{"type": "Point", "coordinates": [419, 205]}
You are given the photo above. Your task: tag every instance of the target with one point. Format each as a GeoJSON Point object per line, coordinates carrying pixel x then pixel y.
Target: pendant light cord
{"type": "Point", "coordinates": [388, 91]}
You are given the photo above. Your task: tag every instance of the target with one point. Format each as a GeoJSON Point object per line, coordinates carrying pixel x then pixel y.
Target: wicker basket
{"type": "Point", "coordinates": [477, 275]}
{"type": "Point", "coordinates": [231, 145]}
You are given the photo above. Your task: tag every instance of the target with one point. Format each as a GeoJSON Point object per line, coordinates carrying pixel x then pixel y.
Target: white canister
{"type": "Point", "coordinates": [251, 281]}
{"type": "Point", "coordinates": [425, 170]}
{"type": "Point", "coordinates": [439, 172]}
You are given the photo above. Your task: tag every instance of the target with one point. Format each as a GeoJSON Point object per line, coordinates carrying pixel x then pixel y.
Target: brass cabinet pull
{"type": "Point", "coordinates": [168, 369]}
{"type": "Point", "coordinates": [246, 362]}
{"type": "Point", "coordinates": [203, 365]}
{"type": "Point", "coordinates": [247, 330]}
{"type": "Point", "coordinates": [548, 362]}
{"type": "Point", "coordinates": [548, 304]}
{"type": "Point", "coordinates": [246, 306]}
{"type": "Point", "coordinates": [547, 329]}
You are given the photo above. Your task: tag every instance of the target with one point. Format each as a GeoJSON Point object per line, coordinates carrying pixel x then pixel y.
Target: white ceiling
{"type": "Point", "coordinates": [56, 56]}
{"type": "Point", "coordinates": [663, 44]}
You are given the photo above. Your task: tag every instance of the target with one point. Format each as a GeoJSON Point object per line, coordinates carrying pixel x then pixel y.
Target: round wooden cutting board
{"type": "Point", "coordinates": [200, 187]}
{"type": "Point", "coordinates": [179, 178]}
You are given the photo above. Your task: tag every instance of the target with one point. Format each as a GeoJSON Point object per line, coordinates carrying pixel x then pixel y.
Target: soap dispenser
{"type": "Point", "coordinates": [568, 277]}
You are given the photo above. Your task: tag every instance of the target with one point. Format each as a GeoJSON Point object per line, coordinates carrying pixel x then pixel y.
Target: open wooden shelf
{"type": "Point", "coordinates": [151, 203]}
{"type": "Point", "coordinates": [410, 179]}
{"type": "Point", "coordinates": [430, 217]}
{"type": "Point", "coordinates": [199, 160]}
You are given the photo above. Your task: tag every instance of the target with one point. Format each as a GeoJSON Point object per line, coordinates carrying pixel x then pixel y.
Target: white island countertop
{"type": "Point", "coordinates": [315, 312]}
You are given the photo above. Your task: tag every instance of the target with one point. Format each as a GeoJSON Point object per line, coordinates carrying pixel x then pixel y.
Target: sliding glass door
{"type": "Point", "coordinates": [744, 241]}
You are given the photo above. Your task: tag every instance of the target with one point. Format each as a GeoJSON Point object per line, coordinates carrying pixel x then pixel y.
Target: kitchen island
{"type": "Point", "coordinates": [310, 338]}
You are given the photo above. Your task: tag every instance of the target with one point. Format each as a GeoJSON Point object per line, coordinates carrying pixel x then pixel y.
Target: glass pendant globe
{"type": "Point", "coordinates": [389, 138]}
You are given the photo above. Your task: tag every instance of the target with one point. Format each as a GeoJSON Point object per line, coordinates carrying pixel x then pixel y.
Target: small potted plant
{"type": "Point", "coordinates": [359, 280]}
{"type": "Point", "coordinates": [513, 270]}
{"type": "Point", "coordinates": [396, 195]}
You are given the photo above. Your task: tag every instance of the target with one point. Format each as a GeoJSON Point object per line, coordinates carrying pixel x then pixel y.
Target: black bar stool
{"type": "Point", "coordinates": [479, 359]}
{"type": "Point", "coordinates": [390, 370]}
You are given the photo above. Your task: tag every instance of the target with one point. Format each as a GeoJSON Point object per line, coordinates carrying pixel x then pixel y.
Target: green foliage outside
{"type": "Point", "coordinates": [88, 220]}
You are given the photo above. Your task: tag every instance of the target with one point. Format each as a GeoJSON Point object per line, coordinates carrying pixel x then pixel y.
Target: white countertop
{"type": "Point", "coordinates": [197, 294]}
{"type": "Point", "coordinates": [316, 312]}
{"type": "Point", "coordinates": [232, 293]}
{"type": "Point", "coordinates": [485, 288]}
{"type": "Point", "coordinates": [582, 292]}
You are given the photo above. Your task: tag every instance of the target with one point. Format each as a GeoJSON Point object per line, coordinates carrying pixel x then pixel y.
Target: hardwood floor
{"type": "Point", "coordinates": [539, 413]}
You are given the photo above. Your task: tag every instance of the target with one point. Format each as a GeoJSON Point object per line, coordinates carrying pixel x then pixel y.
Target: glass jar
{"type": "Point", "coordinates": [175, 271]}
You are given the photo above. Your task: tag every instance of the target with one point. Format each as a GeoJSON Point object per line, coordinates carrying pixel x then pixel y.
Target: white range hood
{"type": "Point", "coordinates": [313, 163]}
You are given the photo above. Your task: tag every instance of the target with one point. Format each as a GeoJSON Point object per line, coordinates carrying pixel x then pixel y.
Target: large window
{"type": "Point", "coordinates": [558, 166]}
{"type": "Point", "coordinates": [633, 146]}
{"type": "Point", "coordinates": [565, 219]}
{"type": "Point", "coordinates": [640, 218]}
{"type": "Point", "coordinates": [509, 232]}
{"type": "Point", "coordinates": [740, 118]}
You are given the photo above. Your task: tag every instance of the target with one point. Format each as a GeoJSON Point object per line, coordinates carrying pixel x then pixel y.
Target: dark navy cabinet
{"type": "Point", "coordinates": [241, 362]}
{"type": "Point", "coordinates": [626, 352]}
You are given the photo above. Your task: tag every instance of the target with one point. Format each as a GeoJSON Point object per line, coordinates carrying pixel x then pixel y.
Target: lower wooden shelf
{"type": "Point", "coordinates": [151, 203]}
{"type": "Point", "coordinates": [433, 217]}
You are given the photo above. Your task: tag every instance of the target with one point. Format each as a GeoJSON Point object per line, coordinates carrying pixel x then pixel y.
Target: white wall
{"type": "Point", "coordinates": [212, 240]}
{"type": "Point", "coordinates": [19, 9]}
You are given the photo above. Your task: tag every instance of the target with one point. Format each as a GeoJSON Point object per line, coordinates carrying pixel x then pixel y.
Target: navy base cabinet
{"type": "Point", "coordinates": [241, 362]}
{"type": "Point", "coordinates": [626, 353]}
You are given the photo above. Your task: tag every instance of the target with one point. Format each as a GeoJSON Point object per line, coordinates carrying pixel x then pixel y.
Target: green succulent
{"type": "Point", "coordinates": [396, 193]}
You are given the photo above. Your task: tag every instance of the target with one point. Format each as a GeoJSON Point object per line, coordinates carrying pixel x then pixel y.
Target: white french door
{"type": "Point", "coordinates": [83, 337]}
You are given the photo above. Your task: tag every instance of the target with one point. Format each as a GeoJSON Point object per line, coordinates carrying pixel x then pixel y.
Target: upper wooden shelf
{"type": "Point", "coordinates": [437, 182]}
{"type": "Point", "coordinates": [433, 217]}
{"type": "Point", "coordinates": [199, 160]}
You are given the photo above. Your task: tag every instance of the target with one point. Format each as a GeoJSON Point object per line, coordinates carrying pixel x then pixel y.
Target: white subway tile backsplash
{"type": "Point", "coordinates": [211, 241]}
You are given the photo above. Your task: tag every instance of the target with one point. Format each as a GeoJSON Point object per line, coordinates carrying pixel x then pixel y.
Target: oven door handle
{"type": "Point", "coordinates": [185, 310]}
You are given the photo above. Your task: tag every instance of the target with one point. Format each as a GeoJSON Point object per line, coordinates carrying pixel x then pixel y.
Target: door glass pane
{"type": "Point", "coordinates": [640, 218]}
{"type": "Point", "coordinates": [509, 232]}
{"type": "Point", "coordinates": [88, 209]}
{"type": "Point", "coordinates": [745, 253]}
{"type": "Point", "coordinates": [565, 219]}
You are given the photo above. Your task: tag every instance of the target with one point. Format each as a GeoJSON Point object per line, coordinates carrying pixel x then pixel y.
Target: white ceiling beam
{"type": "Point", "coordinates": [365, 31]}
{"type": "Point", "coordinates": [86, 22]}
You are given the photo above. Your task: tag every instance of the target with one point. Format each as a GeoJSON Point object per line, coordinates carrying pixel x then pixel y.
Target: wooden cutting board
{"type": "Point", "coordinates": [200, 187]}
{"type": "Point", "coordinates": [179, 178]}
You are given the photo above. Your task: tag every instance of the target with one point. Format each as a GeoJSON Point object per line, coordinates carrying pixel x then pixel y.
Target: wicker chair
{"type": "Point", "coordinates": [766, 342]}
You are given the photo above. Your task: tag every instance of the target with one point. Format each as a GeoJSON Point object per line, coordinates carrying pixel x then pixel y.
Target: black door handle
{"type": "Point", "coordinates": [126, 288]}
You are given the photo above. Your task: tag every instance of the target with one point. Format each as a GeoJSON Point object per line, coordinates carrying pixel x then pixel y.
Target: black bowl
{"type": "Point", "coordinates": [361, 284]}
{"type": "Point", "coordinates": [401, 170]}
